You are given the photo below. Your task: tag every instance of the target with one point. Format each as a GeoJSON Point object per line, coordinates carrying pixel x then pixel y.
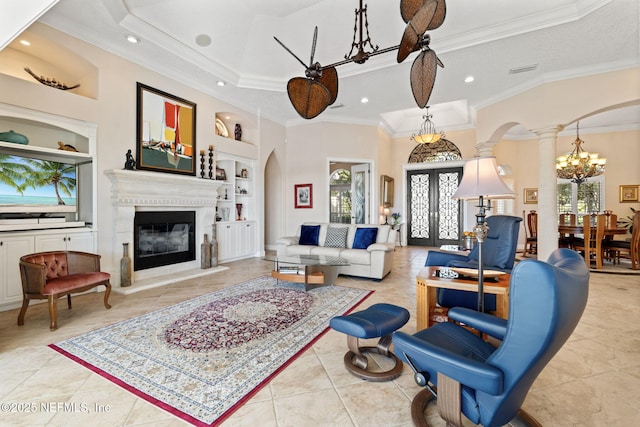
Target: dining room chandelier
{"type": "Point", "coordinates": [579, 164]}
{"type": "Point", "coordinates": [427, 133]}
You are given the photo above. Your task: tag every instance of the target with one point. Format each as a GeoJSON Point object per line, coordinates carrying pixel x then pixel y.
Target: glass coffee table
{"type": "Point", "coordinates": [312, 270]}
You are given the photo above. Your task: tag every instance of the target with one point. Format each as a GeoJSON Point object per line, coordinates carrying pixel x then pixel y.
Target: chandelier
{"type": "Point", "coordinates": [427, 133]}
{"type": "Point", "coordinates": [579, 164]}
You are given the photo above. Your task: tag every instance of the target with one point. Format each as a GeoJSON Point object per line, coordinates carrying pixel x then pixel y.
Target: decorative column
{"type": "Point", "coordinates": [547, 191]}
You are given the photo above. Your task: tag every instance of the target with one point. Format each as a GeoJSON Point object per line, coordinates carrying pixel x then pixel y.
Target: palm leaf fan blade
{"type": "Point", "coordinates": [423, 76]}
{"type": "Point", "coordinates": [308, 97]}
{"type": "Point", "coordinates": [329, 79]}
{"type": "Point", "coordinates": [415, 29]}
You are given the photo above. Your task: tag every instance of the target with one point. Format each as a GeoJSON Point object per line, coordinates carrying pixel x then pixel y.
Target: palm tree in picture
{"type": "Point", "coordinates": [45, 173]}
{"type": "Point", "coordinates": [12, 172]}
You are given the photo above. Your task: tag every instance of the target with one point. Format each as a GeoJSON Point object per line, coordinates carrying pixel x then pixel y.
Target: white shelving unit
{"type": "Point", "coordinates": [76, 230]}
{"type": "Point", "coordinates": [236, 229]}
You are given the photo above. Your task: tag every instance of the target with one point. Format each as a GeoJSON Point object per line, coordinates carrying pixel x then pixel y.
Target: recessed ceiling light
{"type": "Point", "coordinates": [364, 100]}
{"type": "Point", "coordinates": [25, 42]}
{"type": "Point", "coordinates": [132, 39]}
{"type": "Point", "coordinates": [203, 40]}
{"type": "Point", "coordinates": [221, 83]}
{"type": "Point", "coordinates": [469, 79]}
{"type": "Point", "coordinates": [227, 117]}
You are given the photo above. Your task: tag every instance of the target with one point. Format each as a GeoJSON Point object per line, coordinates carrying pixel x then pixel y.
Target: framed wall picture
{"type": "Point", "coordinates": [166, 132]}
{"type": "Point", "coordinates": [629, 193]}
{"type": "Point", "coordinates": [530, 195]}
{"type": "Point", "coordinates": [221, 174]}
{"type": "Point", "coordinates": [303, 194]}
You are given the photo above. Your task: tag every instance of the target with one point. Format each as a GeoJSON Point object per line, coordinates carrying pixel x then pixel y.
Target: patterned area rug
{"type": "Point", "coordinates": [201, 359]}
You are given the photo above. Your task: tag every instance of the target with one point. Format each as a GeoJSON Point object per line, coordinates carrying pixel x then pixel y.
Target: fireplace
{"type": "Point", "coordinates": [136, 192]}
{"type": "Point", "coordinates": [163, 238]}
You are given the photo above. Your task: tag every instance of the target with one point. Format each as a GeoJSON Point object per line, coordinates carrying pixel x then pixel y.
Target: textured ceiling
{"type": "Point", "coordinates": [563, 38]}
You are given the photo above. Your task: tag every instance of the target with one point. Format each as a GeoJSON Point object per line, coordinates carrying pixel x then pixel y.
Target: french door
{"type": "Point", "coordinates": [433, 217]}
{"type": "Point", "coordinates": [360, 194]}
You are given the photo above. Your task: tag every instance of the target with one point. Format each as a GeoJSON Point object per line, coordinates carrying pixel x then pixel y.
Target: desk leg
{"type": "Point", "coordinates": [425, 302]}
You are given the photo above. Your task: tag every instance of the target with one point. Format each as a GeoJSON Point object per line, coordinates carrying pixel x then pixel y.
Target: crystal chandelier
{"type": "Point", "coordinates": [427, 133]}
{"type": "Point", "coordinates": [579, 164]}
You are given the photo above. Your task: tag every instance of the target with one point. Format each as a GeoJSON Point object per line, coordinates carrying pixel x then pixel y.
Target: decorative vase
{"type": "Point", "coordinates": [214, 246]}
{"type": "Point", "coordinates": [125, 266]}
{"type": "Point", "coordinates": [225, 214]}
{"type": "Point", "coordinates": [14, 137]}
{"type": "Point", "coordinates": [238, 132]}
{"type": "Point", "coordinates": [205, 253]}
{"type": "Point", "coordinates": [239, 210]}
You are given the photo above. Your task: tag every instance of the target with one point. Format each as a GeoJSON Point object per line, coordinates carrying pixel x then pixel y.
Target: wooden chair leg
{"type": "Point", "coordinates": [69, 301]}
{"type": "Point", "coordinates": [107, 292]}
{"type": "Point", "coordinates": [23, 311]}
{"type": "Point", "coordinates": [53, 312]}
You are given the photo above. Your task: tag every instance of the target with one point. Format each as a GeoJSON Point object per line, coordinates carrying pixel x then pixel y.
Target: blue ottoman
{"type": "Point", "coordinates": [377, 321]}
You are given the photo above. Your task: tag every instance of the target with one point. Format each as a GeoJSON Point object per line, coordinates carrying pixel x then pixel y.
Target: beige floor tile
{"type": "Point", "coordinates": [592, 381]}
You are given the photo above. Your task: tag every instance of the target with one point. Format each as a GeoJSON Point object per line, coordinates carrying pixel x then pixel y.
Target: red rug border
{"type": "Point", "coordinates": [184, 416]}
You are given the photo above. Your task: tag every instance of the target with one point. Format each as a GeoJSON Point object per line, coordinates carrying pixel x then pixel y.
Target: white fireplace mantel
{"type": "Point", "coordinates": [133, 190]}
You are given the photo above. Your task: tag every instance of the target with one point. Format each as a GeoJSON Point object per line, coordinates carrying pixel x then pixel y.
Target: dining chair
{"type": "Point", "coordinates": [566, 240]}
{"type": "Point", "coordinates": [592, 242]}
{"type": "Point", "coordinates": [531, 233]}
{"type": "Point", "coordinates": [630, 248]}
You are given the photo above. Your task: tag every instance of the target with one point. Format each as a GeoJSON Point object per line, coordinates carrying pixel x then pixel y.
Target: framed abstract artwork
{"type": "Point", "coordinates": [303, 194]}
{"type": "Point", "coordinates": [166, 132]}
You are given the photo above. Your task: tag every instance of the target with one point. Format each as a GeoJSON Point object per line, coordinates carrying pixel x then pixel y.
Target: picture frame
{"type": "Point", "coordinates": [303, 196]}
{"type": "Point", "coordinates": [530, 195]}
{"type": "Point", "coordinates": [221, 174]}
{"type": "Point", "coordinates": [629, 193]}
{"type": "Point", "coordinates": [166, 132]}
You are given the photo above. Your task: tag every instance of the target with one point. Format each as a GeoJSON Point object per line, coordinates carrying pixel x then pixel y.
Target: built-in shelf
{"type": "Point", "coordinates": [43, 153]}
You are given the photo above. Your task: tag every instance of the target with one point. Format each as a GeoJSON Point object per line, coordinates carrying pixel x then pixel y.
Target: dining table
{"type": "Point", "coordinates": [578, 229]}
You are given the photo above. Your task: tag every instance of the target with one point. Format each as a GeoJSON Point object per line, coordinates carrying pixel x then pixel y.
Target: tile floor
{"type": "Point", "coordinates": [593, 381]}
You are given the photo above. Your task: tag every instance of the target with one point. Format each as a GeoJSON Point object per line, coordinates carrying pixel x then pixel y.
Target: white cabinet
{"type": "Point", "coordinates": [236, 240]}
{"type": "Point", "coordinates": [80, 240]}
{"type": "Point", "coordinates": [12, 247]}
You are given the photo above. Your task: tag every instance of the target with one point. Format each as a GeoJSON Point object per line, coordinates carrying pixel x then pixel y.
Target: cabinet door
{"type": "Point", "coordinates": [247, 240]}
{"type": "Point", "coordinates": [82, 242]}
{"type": "Point", "coordinates": [11, 249]}
{"type": "Point", "coordinates": [225, 241]}
{"type": "Point", "coordinates": [65, 241]}
{"type": "Point", "coordinates": [51, 242]}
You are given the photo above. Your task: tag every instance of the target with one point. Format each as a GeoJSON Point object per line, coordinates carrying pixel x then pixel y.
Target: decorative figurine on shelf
{"type": "Point", "coordinates": [238, 132]}
{"type": "Point", "coordinates": [66, 147]}
{"type": "Point", "coordinates": [130, 163]}
{"type": "Point", "coordinates": [239, 210]}
{"type": "Point", "coordinates": [226, 195]}
{"type": "Point", "coordinates": [244, 173]}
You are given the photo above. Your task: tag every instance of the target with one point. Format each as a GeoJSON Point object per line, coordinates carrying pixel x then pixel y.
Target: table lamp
{"type": "Point", "coordinates": [386, 212]}
{"type": "Point", "coordinates": [481, 180]}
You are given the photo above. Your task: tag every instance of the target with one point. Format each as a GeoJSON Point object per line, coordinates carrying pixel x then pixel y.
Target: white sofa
{"type": "Point", "coordinates": [373, 262]}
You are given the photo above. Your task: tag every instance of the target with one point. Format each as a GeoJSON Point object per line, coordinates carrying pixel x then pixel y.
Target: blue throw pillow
{"type": "Point", "coordinates": [309, 235]}
{"type": "Point", "coordinates": [365, 237]}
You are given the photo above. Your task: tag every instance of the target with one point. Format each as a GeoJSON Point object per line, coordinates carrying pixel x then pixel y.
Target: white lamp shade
{"type": "Point", "coordinates": [481, 178]}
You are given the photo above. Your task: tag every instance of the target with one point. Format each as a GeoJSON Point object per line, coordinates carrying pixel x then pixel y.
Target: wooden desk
{"type": "Point", "coordinates": [427, 283]}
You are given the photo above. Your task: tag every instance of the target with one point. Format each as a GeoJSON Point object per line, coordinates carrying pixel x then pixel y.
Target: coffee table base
{"type": "Point", "coordinates": [314, 276]}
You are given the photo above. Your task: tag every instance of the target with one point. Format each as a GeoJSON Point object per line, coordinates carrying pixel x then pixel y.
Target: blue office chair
{"type": "Point", "coordinates": [498, 253]}
{"type": "Point", "coordinates": [487, 384]}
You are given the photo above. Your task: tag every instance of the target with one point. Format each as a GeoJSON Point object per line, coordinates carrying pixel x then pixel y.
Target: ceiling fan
{"type": "Point", "coordinates": [312, 94]}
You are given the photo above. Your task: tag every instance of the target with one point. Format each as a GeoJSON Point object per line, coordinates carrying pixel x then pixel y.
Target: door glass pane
{"type": "Point", "coordinates": [448, 208]}
{"type": "Point", "coordinates": [359, 197]}
{"type": "Point", "coordinates": [419, 209]}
